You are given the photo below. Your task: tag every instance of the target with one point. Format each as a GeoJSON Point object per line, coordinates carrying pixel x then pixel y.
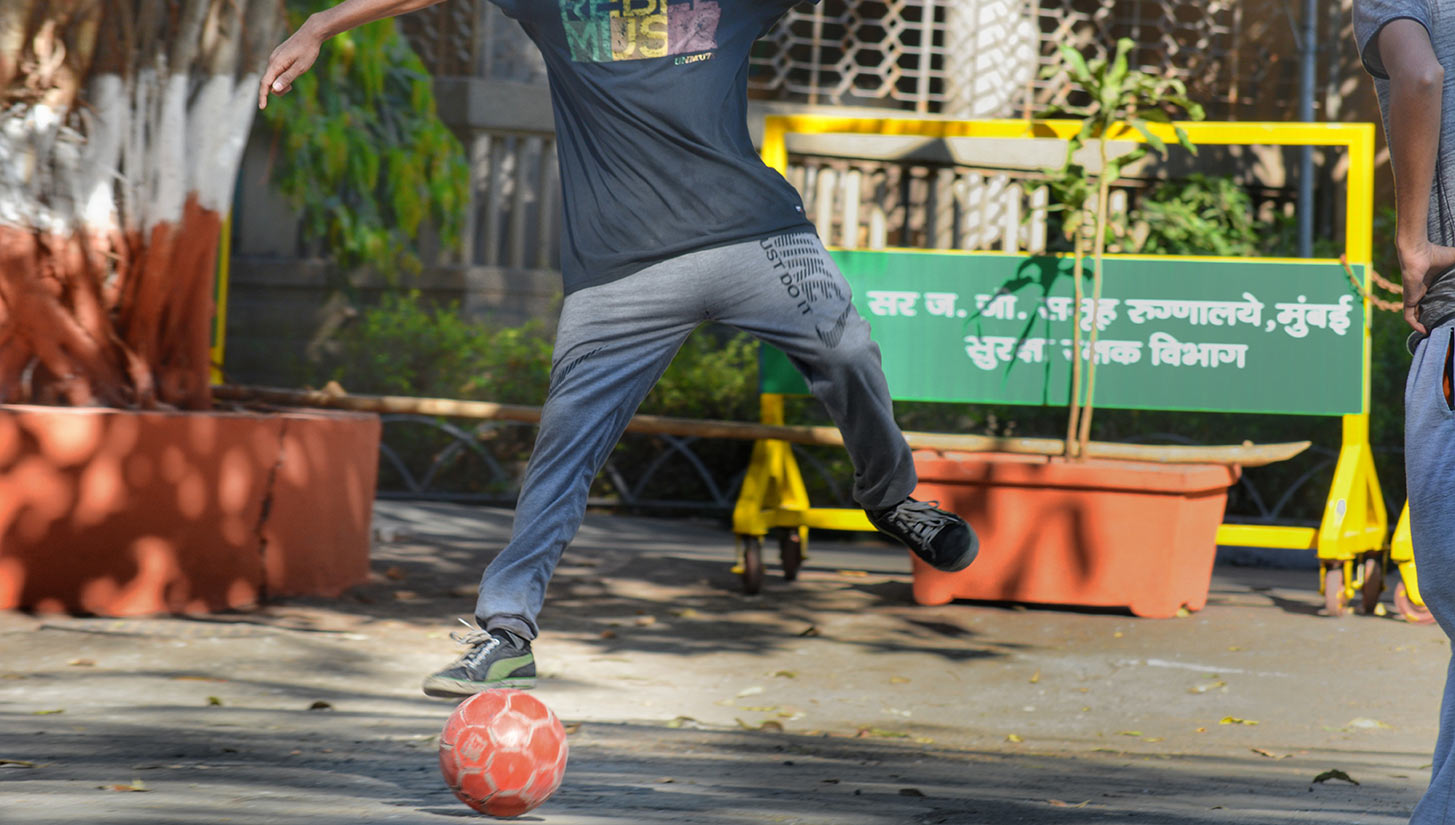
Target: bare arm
{"type": "Point", "coordinates": [1416, 85]}
{"type": "Point", "coordinates": [297, 53]}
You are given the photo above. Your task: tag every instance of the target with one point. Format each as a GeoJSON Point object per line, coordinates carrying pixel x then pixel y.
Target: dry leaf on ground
{"type": "Point", "coordinates": [1363, 723]}
{"type": "Point", "coordinates": [1233, 720]}
{"type": "Point", "coordinates": [1335, 773]}
{"type": "Point", "coordinates": [772, 725]}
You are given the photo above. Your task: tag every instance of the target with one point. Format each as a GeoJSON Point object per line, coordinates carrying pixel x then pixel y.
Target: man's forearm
{"type": "Point", "coordinates": [1416, 85]}
{"type": "Point", "coordinates": [351, 14]}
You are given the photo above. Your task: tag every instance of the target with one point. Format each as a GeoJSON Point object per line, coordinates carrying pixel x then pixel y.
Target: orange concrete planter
{"type": "Point", "coordinates": [1099, 533]}
{"type": "Point", "coordinates": [122, 513]}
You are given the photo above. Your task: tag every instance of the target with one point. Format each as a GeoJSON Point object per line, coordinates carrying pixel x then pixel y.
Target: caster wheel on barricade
{"type": "Point", "coordinates": [790, 553]}
{"type": "Point", "coordinates": [752, 565]}
{"type": "Point", "coordinates": [1334, 601]}
{"type": "Point", "coordinates": [1373, 585]}
{"type": "Point", "coordinates": [1412, 613]}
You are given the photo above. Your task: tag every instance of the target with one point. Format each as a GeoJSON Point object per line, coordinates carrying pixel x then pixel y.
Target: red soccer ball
{"type": "Point", "coordinates": [503, 752]}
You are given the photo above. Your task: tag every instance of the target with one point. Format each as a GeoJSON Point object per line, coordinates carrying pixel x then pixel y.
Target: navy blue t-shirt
{"type": "Point", "coordinates": [650, 101]}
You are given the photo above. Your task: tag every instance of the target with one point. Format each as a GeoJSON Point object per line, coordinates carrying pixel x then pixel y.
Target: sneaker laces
{"type": "Point", "coordinates": [482, 642]}
{"type": "Point", "coordinates": [921, 519]}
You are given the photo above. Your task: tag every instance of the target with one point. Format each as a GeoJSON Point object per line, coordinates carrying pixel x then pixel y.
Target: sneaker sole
{"type": "Point", "coordinates": [458, 688]}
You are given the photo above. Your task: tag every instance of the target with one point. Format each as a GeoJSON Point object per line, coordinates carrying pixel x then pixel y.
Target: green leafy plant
{"type": "Point", "coordinates": [407, 346]}
{"type": "Point", "coordinates": [1198, 215]}
{"type": "Point", "coordinates": [364, 155]}
{"type": "Point", "coordinates": [1122, 100]}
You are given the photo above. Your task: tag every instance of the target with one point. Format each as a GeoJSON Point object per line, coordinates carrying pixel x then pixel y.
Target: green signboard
{"type": "Point", "coordinates": [1174, 333]}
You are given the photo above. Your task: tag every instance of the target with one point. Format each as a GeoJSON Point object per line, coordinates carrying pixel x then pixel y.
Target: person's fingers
{"type": "Point", "coordinates": [1412, 309]}
{"type": "Point", "coordinates": [284, 80]}
{"type": "Point", "coordinates": [1412, 317]}
{"type": "Point", "coordinates": [270, 76]}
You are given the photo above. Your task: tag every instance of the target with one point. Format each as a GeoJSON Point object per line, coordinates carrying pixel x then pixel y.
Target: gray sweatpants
{"type": "Point", "coordinates": [615, 340]}
{"type": "Point", "coordinates": [1430, 474]}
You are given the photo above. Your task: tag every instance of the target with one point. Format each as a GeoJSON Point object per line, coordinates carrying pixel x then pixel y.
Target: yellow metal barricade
{"type": "Point", "coordinates": [1355, 525]}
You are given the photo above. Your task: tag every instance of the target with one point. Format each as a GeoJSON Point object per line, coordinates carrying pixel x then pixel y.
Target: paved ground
{"type": "Point", "coordinates": [832, 700]}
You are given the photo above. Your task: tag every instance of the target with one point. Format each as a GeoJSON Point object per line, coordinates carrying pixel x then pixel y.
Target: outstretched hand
{"type": "Point", "coordinates": [292, 58]}
{"type": "Point", "coordinates": [1419, 266]}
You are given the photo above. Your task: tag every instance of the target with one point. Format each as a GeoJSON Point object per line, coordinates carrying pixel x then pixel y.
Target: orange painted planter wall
{"type": "Point", "coordinates": [121, 513]}
{"type": "Point", "coordinates": [1099, 533]}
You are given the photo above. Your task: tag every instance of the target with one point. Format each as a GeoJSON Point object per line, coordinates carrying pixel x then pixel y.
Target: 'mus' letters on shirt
{"type": "Point", "coordinates": [601, 31]}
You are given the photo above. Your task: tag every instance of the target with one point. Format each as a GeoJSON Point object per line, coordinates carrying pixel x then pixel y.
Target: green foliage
{"type": "Point", "coordinates": [715, 375]}
{"type": "Point", "coordinates": [1199, 216]}
{"type": "Point", "coordinates": [1280, 240]}
{"type": "Point", "coordinates": [407, 346]}
{"type": "Point", "coordinates": [1122, 99]}
{"type": "Point", "coordinates": [404, 346]}
{"type": "Point", "coordinates": [364, 156]}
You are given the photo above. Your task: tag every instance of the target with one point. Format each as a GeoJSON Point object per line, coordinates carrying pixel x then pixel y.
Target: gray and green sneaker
{"type": "Point", "coordinates": [496, 659]}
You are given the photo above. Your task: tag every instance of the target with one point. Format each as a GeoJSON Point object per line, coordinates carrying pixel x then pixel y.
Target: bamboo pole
{"type": "Point", "coordinates": [1246, 454]}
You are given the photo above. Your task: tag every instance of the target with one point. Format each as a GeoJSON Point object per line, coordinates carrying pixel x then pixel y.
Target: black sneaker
{"type": "Point", "coordinates": [941, 538]}
{"type": "Point", "coordinates": [496, 659]}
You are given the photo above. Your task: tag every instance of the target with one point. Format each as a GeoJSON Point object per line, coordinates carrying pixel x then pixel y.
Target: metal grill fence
{"type": "Point", "coordinates": [966, 58]}
{"type": "Point", "coordinates": [986, 58]}
{"type": "Point", "coordinates": [663, 473]}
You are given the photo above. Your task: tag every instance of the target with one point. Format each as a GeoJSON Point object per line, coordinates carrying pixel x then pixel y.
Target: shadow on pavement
{"type": "Point", "coordinates": [246, 767]}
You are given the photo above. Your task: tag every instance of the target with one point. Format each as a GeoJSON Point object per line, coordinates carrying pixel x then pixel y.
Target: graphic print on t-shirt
{"type": "Point", "coordinates": [602, 31]}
